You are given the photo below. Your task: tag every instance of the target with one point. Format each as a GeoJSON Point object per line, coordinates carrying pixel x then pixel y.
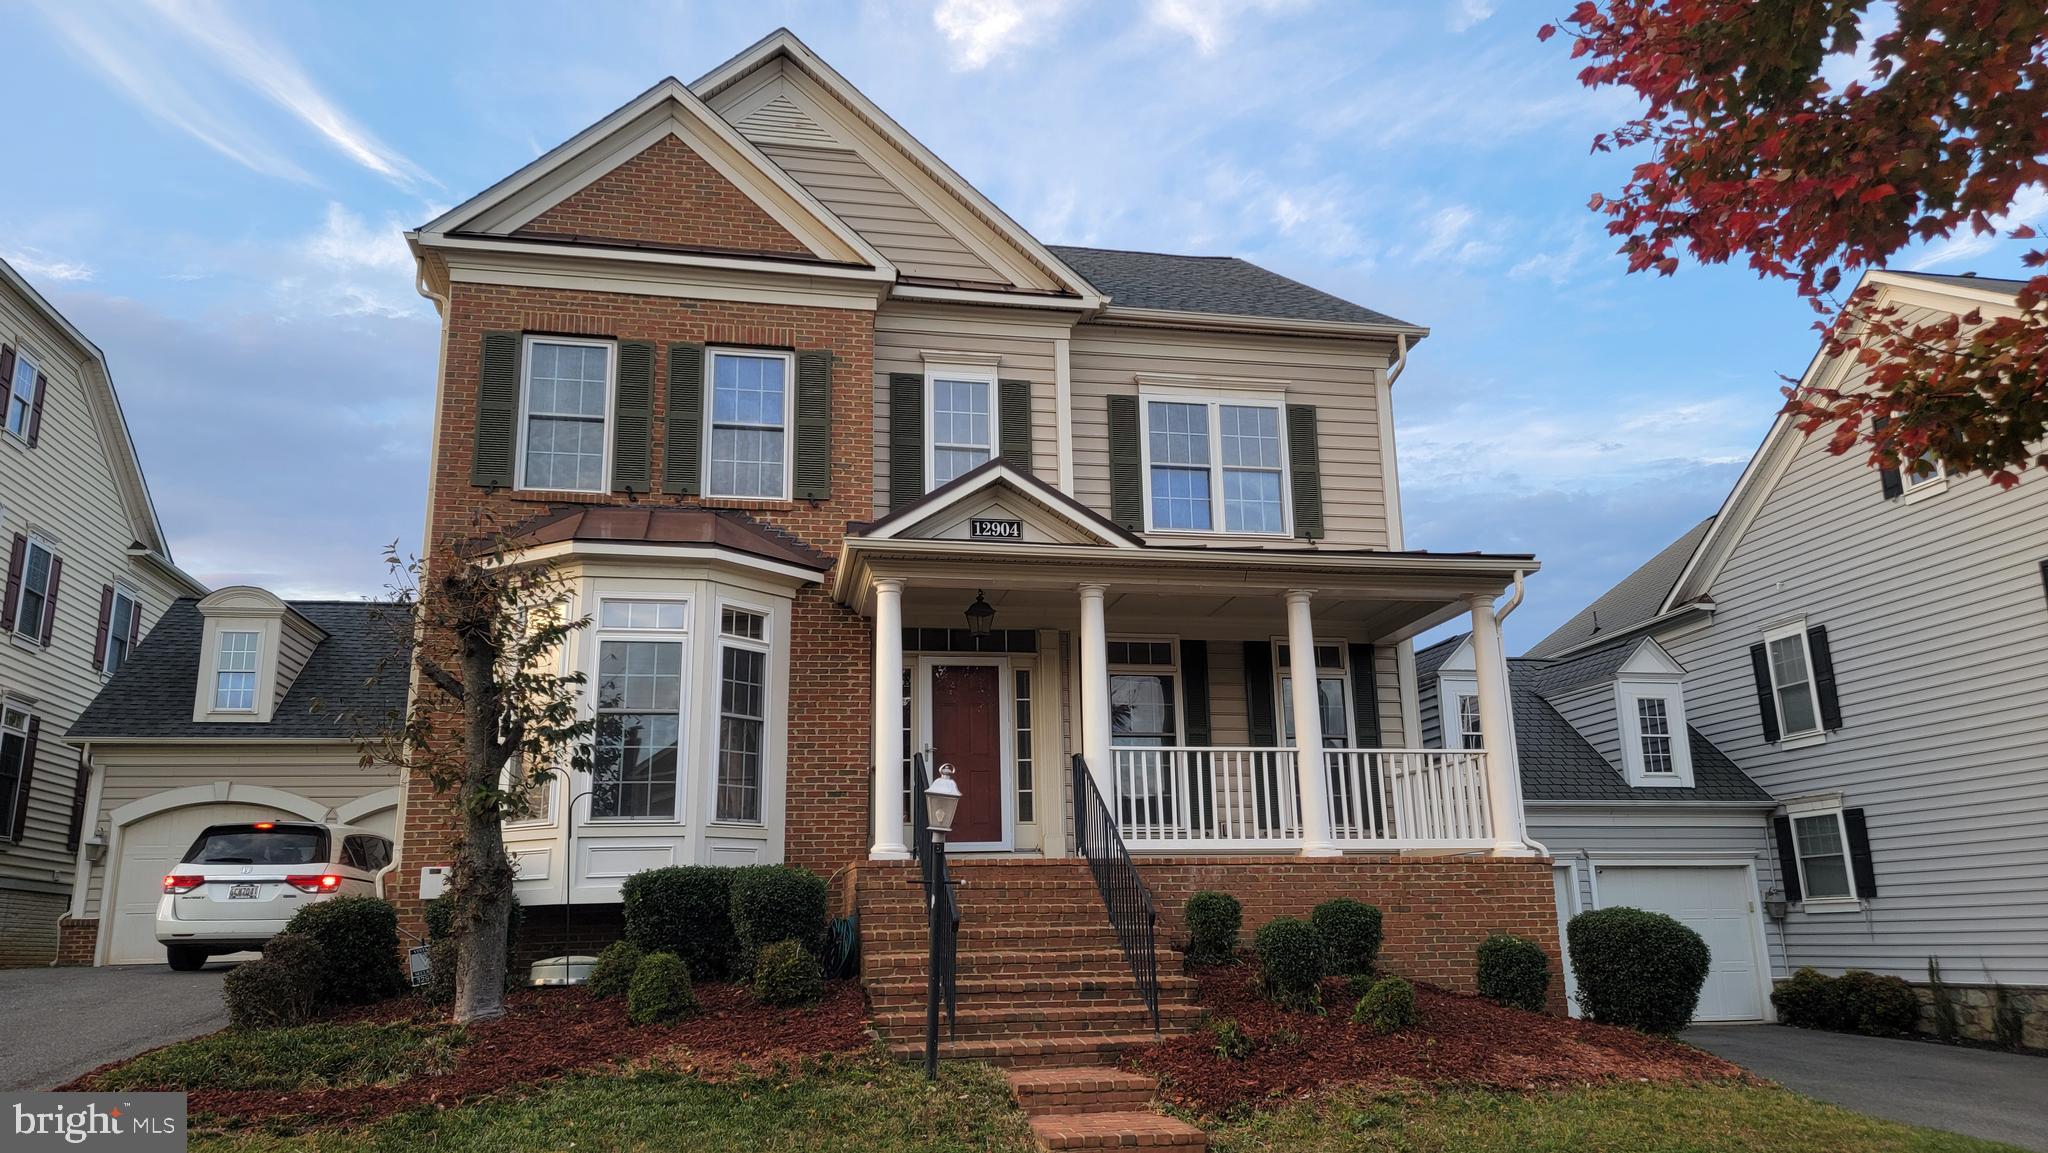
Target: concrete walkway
{"type": "Point", "coordinates": [1996, 1096]}
{"type": "Point", "coordinates": [63, 1022]}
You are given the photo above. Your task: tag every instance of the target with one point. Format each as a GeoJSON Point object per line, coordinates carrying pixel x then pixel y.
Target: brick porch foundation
{"type": "Point", "coordinates": [75, 940]}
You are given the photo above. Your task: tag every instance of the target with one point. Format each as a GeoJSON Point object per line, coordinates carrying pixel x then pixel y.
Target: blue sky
{"type": "Point", "coordinates": [215, 192]}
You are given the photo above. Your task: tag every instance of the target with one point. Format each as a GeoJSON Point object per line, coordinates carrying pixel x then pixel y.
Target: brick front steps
{"type": "Point", "coordinates": [1072, 1108]}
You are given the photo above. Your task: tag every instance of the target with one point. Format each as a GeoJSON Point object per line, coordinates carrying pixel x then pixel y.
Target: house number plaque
{"type": "Point", "coordinates": [990, 528]}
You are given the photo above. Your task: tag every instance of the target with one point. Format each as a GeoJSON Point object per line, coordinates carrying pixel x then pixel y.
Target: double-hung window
{"type": "Point", "coordinates": [1469, 735]}
{"type": "Point", "coordinates": [21, 393]}
{"type": "Point", "coordinates": [749, 428]}
{"type": "Point", "coordinates": [1792, 680]}
{"type": "Point", "coordinates": [637, 754]}
{"type": "Point", "coordinates": [963, 422]}
{"type": "Point", "coordinates": [1653, 731]}
{"type": "Point", "coordinates": [742, 712]}
{"type": "Point", "coordinates": [122, 625]}
{"type": "Point", "coordinates": [1332, 694]}
{"type": "Point", "coordinates": [234, 671]}
{"type": "Point", "coordinates": [1142, 715]}
{"type": "Point", "coordinates": [1201, 453]}
{"type": "Point", "coordinates": [14, 760]}
{"type": "Point", "coordinates": [33, 607]}
{"type": "Point", "coordinates": [567, 403]}
{"type": "Point", "coordinates": [1822, 848]}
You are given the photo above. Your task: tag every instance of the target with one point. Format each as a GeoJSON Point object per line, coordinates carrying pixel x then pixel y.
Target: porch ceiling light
{"type": "Point", "coordinates": [981, 616]}
{"type": "Point", "coordinates": [941, 800]}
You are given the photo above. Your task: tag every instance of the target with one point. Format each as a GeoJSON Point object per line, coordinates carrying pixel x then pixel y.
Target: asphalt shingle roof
{"type": "Point", "coordinates": [1994, 283]}
{"type": "Point", "coordinates": [1222, 285]}
{"type": "Point", "coordinates": [358, 676]}
{"type": "Point", "coordinates": [1636, 599]}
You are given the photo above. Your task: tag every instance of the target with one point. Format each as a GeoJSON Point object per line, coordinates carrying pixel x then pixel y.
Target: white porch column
{"type": "Point", "coordinates": [1308, 729]}
{"type": "Point", "coordinates": [1095, 728]}
{"type": "Point", "coordinates": [888, 742]}
{"type": "Point", "coordinates": [1503, 791]}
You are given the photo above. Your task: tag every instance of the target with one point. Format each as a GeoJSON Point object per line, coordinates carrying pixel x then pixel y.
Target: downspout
{"type": "Point", "coordinates": [1500, 615]}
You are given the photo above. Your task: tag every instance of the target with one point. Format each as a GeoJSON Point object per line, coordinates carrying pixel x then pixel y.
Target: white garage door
{"type": "Point", "coordinates": [1716, 904]}
{"type": "Point", "coordinates": [149, 848]}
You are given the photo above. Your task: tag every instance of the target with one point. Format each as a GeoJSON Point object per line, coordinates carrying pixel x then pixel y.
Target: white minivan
{"type": "Point", "coordinates": [239, 884]}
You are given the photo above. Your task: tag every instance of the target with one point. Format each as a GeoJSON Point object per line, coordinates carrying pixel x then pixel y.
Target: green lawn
{"type": "Point", "coordinates": [1632, 1119]}
{"type": "Point", "coordinates": [302, 1057]}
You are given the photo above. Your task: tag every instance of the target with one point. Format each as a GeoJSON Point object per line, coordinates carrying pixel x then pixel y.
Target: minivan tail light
{"type": "Point", "coordinates": [315, 883]}
{"type": "Point", "coordinates": [177, 884]}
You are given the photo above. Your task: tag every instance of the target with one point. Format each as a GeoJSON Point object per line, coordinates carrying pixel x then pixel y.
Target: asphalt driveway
{"type": "Point", "coordinates": [62, 1022]}
{"type": "Point", "coordinates": [1996, 1096]}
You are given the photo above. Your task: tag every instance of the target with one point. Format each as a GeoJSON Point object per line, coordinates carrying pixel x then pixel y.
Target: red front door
{"type": "Point", "coordinates": [967, 734]}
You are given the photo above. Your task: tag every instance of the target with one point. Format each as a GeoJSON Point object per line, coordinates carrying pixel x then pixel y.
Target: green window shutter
{"type": "Point", "coordinates": [906, 438]}
{"type": "Point", "coordinates": [1194, 673]}
{"type": "Point", "coordinates": [1014, 414]}
{"type": "Point", "coordinates": [682, 466]}
{"type": "Point", "coordinates": [814, 425]}
{"type": "Point", "coordinates": [1126, 473]}
{"type": "Point", "coordinates": [1365, 697]}
{"type": "Point", "coordinates": [633, 418]}
{"type": "Point", "coordinates": [497, 411]}
{"type": "Point", "coordinates": [1305, 464]}
{"type": "Point", "coordinates": [1260, 712]}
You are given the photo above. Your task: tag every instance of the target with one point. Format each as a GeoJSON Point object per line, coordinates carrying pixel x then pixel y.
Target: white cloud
{"type": "Point", "coordinates": [2029, 207]}
{"type": "Point", "coordinates": [1465, 14]}
{"type": "Point", "coordinates": [1556, 265]}
{"type": "Point", "coordinates": [348, 267]}
{"type": "Point", "coordinates": [1502, 444]}
{"type": "Point", "coordinates": [1209, 23]}
{"type": "Point", "coordinates": [1447, 236]}
{"type": "Point", "coordinates": [37, 265]}
{"type": "Point", "coordinates": [982, 30]}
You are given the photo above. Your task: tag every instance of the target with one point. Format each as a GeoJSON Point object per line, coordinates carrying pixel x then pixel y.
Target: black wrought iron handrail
{"type": "Point", "coordinates": [1132, 915]}
{"type": "Point", "coordinates": [943, 921]}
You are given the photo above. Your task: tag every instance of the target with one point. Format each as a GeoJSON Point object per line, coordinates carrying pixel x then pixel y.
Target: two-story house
{"type": "Point", "coordinates": [88, 572]}
{"type": "Point", "coordinates": [852, 474]}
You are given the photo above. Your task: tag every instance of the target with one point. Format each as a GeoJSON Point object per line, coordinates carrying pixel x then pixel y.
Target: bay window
{"type": "Point", "coordinates": [742, 713]}
{"type": "Point", "coordinates": [1201, 452]}
{"type": "Point", "coordinates": [637, 754]}
{"type": "Point", "coordinates": [749, 427]}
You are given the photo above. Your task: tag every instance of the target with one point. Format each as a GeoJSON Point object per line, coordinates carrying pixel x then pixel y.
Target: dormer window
{"type": "Point", "coordinates": [1653, 732]}
{"type": "Point", "coordinates": [1649, 698]}
{"type": "Point", "coordinates": [234, 677]}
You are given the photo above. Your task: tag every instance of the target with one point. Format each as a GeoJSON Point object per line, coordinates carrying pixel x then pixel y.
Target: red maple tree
{"type": "Point", "coordinates": [1756, 154]}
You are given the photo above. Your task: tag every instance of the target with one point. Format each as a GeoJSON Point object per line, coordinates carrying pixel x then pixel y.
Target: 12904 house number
{"type": "Point", "coordinates": [989, 528]}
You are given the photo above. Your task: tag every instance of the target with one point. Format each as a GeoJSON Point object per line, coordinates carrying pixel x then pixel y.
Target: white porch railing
{"type": "Point", "coordinates": [1189, 799]}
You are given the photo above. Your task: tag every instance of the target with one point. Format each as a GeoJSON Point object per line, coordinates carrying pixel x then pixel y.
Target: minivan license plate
{"type": "Point", "coordinates": [242, 893]}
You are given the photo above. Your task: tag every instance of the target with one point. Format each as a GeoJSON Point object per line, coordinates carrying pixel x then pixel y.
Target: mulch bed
{"type": "Point", "coordinates": [1456, 1040]}
{"type": "Point", "coordinates": [548, 1032]}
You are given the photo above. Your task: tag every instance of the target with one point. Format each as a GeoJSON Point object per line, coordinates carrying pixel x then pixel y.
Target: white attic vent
{"type": "Point", "coordinates": [781, 122]}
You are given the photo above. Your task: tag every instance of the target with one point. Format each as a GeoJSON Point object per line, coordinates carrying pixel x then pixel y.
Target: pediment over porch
{"type": "Point", "coordinates": [1004, 501]}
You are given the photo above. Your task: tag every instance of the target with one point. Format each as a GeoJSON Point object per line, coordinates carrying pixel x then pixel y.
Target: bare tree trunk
{"type": "Point", "coordinates": [483, 873]}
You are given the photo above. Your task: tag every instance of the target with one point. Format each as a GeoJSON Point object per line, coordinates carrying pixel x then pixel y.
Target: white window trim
{"type": "Point", "coordinates": [1830, 806]}
{"type": "Point", "coordinates": [1804, 738]}
{"type": "Point", "coordinates": [255, 674]}
{"type": "Point", "coordinates": [1283, 674]}
{"type": "Point", "coordinates": [10, 704]}
{"type": "Point", "coordinates": [771, 695]}
{"type": "Point", "coordinates": [1450, 727]}
{"type": "Point", "coordinates": [549, 793]}
{"type": "Point", "coordinates": [611, 381]}
{"type": "Point", "coordinates": [1627, 692]}
{"type": "Point", "coordinates": [1920, 488]}
{"type": "Point", "coordinates": [985, 374]}
{"type": "Point", "coordinates": [1171, 668]}
{"type": "Point", "coordinates": [788, 359]}
{"type": "Point", "coordinates": [22, 355]}
{"type": "Point", "coordinates": [121, 592]}
{"type": "Point", "coordinates": [684, 759]}
{"type": "Point", "coordinates": [1213, 400]}
{"type": "Point", "coordinates": [29, 634]}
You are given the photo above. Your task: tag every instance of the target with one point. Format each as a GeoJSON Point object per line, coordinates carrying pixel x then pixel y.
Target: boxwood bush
{"type": "Point", "coordinates": [280, 989]}
{"type": "Point", "coordinates": [358, 949]}
{"type": "Point", "coordinates": [1635, 968]}
{"type": "Point", "coordinates": [773, 903]}
{"type": "Point", "coordinates": [1514, 971]}
{"type": "Point", "coordinates": [1290, 962]}
{"type": "Point", "coordinates": [685, 910]}
{"type": "Point", "coordinates": [613, 973]}
{"type": "Point", "coordinates": [1387, 1007]}
{"type": "Point", "coordinates": [660, 991]}
{"type": "Point", "coordinates": [788, 975]}
{"type": "Point", "coordinates": [1855, 1002]}
{"type": "Point", "coordinates": [1351, 936]}
{"type": "Point", "coordinates": [1214, 920]}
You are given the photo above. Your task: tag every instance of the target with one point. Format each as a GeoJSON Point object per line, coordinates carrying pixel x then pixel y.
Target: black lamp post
{"type": "Point", "coordinates": [941, 801]}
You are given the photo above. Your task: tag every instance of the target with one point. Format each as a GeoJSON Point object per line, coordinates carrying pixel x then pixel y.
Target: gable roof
{"type": "Point", "coordinates": [993, 473]}
{"type": "Point", "coordinates": [1214, 286]}
{"type": "Point", "coordinates": [355, 678]}
{"type": "Point", "coordinates": [1636, 598]}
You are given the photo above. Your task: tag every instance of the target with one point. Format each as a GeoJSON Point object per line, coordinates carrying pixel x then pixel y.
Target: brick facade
{"type": "Point", "coordinates": [75, 940]}
{"type": "Point", "coordinates": [668, 195]}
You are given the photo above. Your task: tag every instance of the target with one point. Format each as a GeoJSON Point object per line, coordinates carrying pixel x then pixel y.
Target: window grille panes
{"type": "Point", "coordinates": [1250, 451]}
{"type": "Point", "coordinates": [565, 409]}
{"type": "Point", "coordinates": [1139, 652]}
{"type": "Point", "coordinates": [1653, 720]}
{"type": "Point", "coordinates": [234, 671]}
{"type": "Point", "coordinates": [1141, 709]}
{"type": "Point", "coordinates": [1026, 787]}
{"type": "Point", "coordinates": [641, 615]}
{"type": "Point", "coordinates": [1329, 705]}
{"type": "Point", "coordinates": [1796, 711]}
{"type": "Point", "coordinates": [743, 624]}
{"type": "Point", "coordinates": [1179, 437]}
{"type": "Point", "coordinates": [637, 748]}
{"type": "Point", "coordinates": [748, 415]}
{"type": "Point", "coordinates": [120, 626]}
{"type": "Point", "coordinates": [742, 711]}
{"type": "Point", "coordinates": [1469, 736]}
{"type": "Point", "coordinates": [35, 590]}
{"type": "Point", "coordinates": [21, 394]}
{"type": "Point", "coordinates": [1822, 861]}
{"type": "Point", "coordinates": [963, 432]}
{"type": "Point", "coordinates": [13, 761]}
{"type": "Point", "coordinates": [909, 746]}
{"type": "Point", "coordinates": [1327, 656]}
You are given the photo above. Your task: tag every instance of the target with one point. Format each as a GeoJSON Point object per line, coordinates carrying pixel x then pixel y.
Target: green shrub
{"type": "Point", "coordinates": [685, 910]}
{"type": "Point", "coordinates": [660, 991]}
{"type": "Point", "coordinates": [358, 954]}
{"type": "Point", "coordinates": [1638, 969]}
{"type": "Point", "coordinates": [279, 990]}
{"type": "Point", "coordinates": [441, 959]}
{"type": "Point", "coordinates": [1810, 999]}
{"type": "Point", "coordinates": [613, 972]}
{"type": "Point", "coordinates": [1855, 1002]}
{"type": "Point", "coordinates": [1231, 1042]}
{"type": "Point", "coordinates": [773, 903]}
{"type": "Point", "coordinates": [1213, 920]}
{"type": "Point", "coordinates": [1351, 936]}
{"type": "Point", "coordinates": [1291, 962]}
{"type": "Point", "coordinates": [1514, 971]}
{"type": "Point", "coordinates": [1386, 1007]}
{"type": "Point", "coordinates": [787, 974]}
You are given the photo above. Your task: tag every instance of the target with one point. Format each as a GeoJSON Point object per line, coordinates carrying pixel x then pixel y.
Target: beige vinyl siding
{"type": "Point", "coordinates": [295, 647]}
{"type": "Point", "coordinates": [862, 197]}
{"type": "Point", "coordinates": [1937, 625]}
{"type": "Point", "coordinates": [329, 773]}
{"type": "Point", "coordinates": [1387, 683]}
{"type": "Point", "coordinates": [1338, 377]}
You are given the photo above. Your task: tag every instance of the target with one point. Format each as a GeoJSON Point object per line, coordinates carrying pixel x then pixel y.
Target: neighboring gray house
{"type": "Point", "coordinates": [1872, 649]}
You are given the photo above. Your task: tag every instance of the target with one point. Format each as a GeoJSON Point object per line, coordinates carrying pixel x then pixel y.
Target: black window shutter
{"type": "Point", "coordinates": [50, 600]}
{"type": "Point", "coordinates": [906, 438]}
{"type": "Point", "coordinates": [1859, 853]}
{"type": "Point", "coordinates": [1766, 704]}
{"type": "Point", "coordinates": [1126, 469]}
{"type": "Point", "coordinates": [1259, 711]}
{"type": "Point", "coordinates": [1888, 478]}
{"type": "Point", "coordinates": [1365, 698]}
{"type": "Point", "coordinates": [1824, 678]}
{"type": "Point", "coordinates": [17, 561]}
{"type": "Point", "coordinates": [682, 463]}
{"type": "Point", "coordinates": [28, 774]}
{"type": "Point", "coordinates": [35, 411]}
{"type": "Point", "coordinates": [1014, 404]}
{"type": "Point", "coordinates": [497, 411]}
{"type": "Point", "coordinates": [6, 369]}
{"type": "Point", "coordinates": [99, 632]}
{"type": "Point", "coordinates": [80, 785]}
{"type": "Point", "coordinates": [1194, 673]}
{"type": "Point", "coordinates": [633, 418]}
{"type": "Point", "coordinates": [1788, 858]}
{"type": "Point", "coordinates": [814, 425]}
{"type": "Point", "coordinates": [1305, 466]}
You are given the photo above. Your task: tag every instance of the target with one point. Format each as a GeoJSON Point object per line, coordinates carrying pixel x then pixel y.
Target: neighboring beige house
{"type": "Point", "coordinates": [239, 707]}
{"type": "Point", "coordinates": [88, 572]}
